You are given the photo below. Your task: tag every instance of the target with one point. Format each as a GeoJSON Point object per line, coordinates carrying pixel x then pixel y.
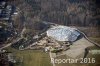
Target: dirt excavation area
{"type": "Point", "coordinates": [74, 42]}
{"type": "Point", "coordinates": [78, 48]}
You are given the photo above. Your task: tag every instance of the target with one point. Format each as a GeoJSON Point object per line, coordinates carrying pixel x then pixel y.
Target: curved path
{"type": "Point", "coordinates": [89, 39]}
{"type": "Point", "coordinates": [14, 41]}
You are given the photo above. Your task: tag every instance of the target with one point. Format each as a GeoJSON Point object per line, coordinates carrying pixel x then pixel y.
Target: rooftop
{"type": "Point", "coordinates": [63, 33]}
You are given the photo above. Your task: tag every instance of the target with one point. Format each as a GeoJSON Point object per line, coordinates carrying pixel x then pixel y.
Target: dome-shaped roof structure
{"type": "Point", "coordinates": [63, 33]}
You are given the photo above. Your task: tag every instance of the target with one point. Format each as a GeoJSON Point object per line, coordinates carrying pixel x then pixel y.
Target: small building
{"type": "Point", "coordinates": [47, 49]}
{"type": "Point", "coordinates": [5, 11]}
{"type": "Point", "coordinates": [2, 5]}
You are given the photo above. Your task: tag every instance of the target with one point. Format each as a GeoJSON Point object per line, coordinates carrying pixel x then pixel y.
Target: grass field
{"type": "Point", "coordinates": [31, 57]}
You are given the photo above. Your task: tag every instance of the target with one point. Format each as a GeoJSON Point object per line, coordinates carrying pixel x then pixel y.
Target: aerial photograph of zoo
{"type": "Point", "coordinates": [49, 32]}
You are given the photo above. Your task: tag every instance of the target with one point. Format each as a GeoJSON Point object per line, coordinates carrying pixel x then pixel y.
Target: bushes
{"type": "Point", "coordinates": [56, 50]}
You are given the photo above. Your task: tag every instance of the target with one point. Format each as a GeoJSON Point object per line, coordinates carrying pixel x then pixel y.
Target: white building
{"type": "Point", "coordinates": [63, 33]}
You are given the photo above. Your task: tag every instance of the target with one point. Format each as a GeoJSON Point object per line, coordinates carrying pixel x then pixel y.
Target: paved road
{"type": "Point", "coordinates": [14, 41]}
{"type": "Point", "coordinates": [51, 56]}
